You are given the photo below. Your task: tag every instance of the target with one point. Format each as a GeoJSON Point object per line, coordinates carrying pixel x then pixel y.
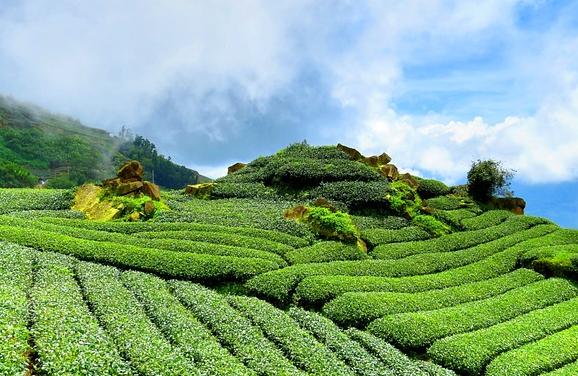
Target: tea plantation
{"type": "Point", "coordinates": [230, 286]}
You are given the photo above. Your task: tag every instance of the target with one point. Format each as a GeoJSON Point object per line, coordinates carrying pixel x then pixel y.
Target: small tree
{"type": "Point", "coordinates": [489, 178]}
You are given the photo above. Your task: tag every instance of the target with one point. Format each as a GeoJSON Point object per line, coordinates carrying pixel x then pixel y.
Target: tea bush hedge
{"type": "Point", "coordinates": [486, 219]}
{"type": "Point", "coordinates": [324, 252]}
{"type": "Point", "coordinates": [18, 199]}
{"type": "Point", "coordinates": [421, 329]}
{"type": "Point", "coordinates": [471, 352]}
{"type": "Point", "coordinates": [377, 236]}
{"type": "Point", "coordinates": [429, 188]}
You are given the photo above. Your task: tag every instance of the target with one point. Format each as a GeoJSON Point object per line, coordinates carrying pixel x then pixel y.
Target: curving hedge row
{"type": "Point", "coordinates": [559, 260]}
{"type": "Point", "coordinates": [471, 352]}
{"type": "Point", "coordinates": [421, 329]}
{"type": "Point", "coordinates": [168, 244]}
{"type": "Point", "coordinates": [300, 346]}
{"type": "Point", "coordinates": [378, 236]}
{"type": "Point", "coordinates": [456, 241]}
{"type": "Point", "coordinates": [131, 228]}
{"type": "Point", "coordinates": [541, 356]}
{"type": "Point", "coordinates": [324, 252]}
{"type": "Point", "coordinates": [233, 330]}
{"type": "Point", "coordinates": [181, 327]}
{"type": "Point", "coordinates": [568, 370]}
{"type": "Point", "coordinates": [454, 218]}
{"type": "Point", "coordinates": [360, 361]}
{"type": "Point", "coordinates": [139, 341]}
{"type": "Point", "coordinates": [317, 290]}
{"type": "Point", "coordinates": [360, 308]}
{"type": "Point", "coordinates": [278, 284]}
{"type": "Point", "coordinates": [18, 199]}
{"type": "Point", "coordinates": [68, 339]}
{"type": "Point", "coordinates": [176, 264]}
{"type": "Point", "coordinates": [39, 213]}
{"type": "Point", "coordinates": [220, 238]}
{"type": "Point", "coordinates": [15, 281]}
{"type": "Point", "coordinates": [486, 219]}
{"type": "Point", "coordinates": [393, 359]}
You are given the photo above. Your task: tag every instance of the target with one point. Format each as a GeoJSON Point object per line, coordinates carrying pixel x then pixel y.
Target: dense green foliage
{"type": "Point", "coordinates": [429, 188]}
{"type": "Point", "coordinates": [487, 179]}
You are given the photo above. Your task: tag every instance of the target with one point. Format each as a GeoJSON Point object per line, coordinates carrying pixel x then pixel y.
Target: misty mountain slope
{"type": "Point", "coordinates": [36, 144]}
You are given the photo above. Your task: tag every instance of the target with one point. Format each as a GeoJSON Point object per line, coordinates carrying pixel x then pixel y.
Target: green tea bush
{"type": "Point", "coordinates": [403, 200]}
{"type": "Point", "coordinates": [421, 329]}
{"type": "Point", "coordinates": [377, 236]}
{"type": "Point", "coordinates": [558, 260]}
{"type": "Point", "coordinates": [486, 219]}
{"type": "Point", "coordinates": [456, 241]}
{"type": "Point", "coordinates": [242, 190]}
{"type": "Point", "coordinates": [16, 265]}
{"type": "Point", "coordinates": [429, 188]}
{"type": "Point", "coordinates": [330, 225]}
{"type": "Point", "coordinates": [350, 352]}
{"type": "Point", "coordinates": [316, 290]}
{"type": "Point", "coordinates": [300, 346]}
{"type": "Point", "coordinates": [18, 199]}
{"type": "Point", "coordinates": [469, 353]}
{"type": "Point", "coordinates": [453, 218]}
{"type": "Point", "coordinates": [357, 195]}
{"type": "Point", "coordinates": [360, 308]}
{"type": "Point", "coordinates": [393, 359]}
{"type": "Point", "coordinates": [181, 327]}
{"type": "Point", "coordinates": [198, 247]}
{"type": "Point", "coordinates": [132, 228]}
{"type": "Point", "coordinates": [68, 339]}
{"type": "Point", "coordinates": [568, 370]}
{"type": "Point", "coordinates": [170, 263]}
{"type": "Point", "coordinates": [303, 150]}
{"type": "Point", "coordinates": [538, 357]}
{"type": "Point", "coordinates": [450, 203]}
{"type": "Point", "coordinates": [35, 214]}
{"type": "Point", "coordinates": [244, 241]}
{"type": "Point", "coordinates": [432, 225]}
{"type": "Point", "coordinates": [233, 330]}
{"type": "Point", "coordinates": [389, 222]}
{"type": "Point", "coordinates": [324, 252]}
{"type": "Point", "coordinates": [140, 342]}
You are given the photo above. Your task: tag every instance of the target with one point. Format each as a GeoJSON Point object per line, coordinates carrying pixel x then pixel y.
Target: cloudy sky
{"type": "Point", "coordinates": [436, 84]}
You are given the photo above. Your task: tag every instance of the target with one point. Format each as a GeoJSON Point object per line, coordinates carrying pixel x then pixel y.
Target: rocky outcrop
{"type": "Point", "coordinates": [514, 204]}
{"type": "Point", "coordinates": [129, 180]}
{"type": "Point", "coordinates": [409, 180]}
{"type": "Point", "coordinates": [353, 153]}
{"type": "Point", "coordinates": [235, 167]}
{"type": "Point", "coordinates": [202, 190]}
{"type": "Point", "coordinates": [389, 171]}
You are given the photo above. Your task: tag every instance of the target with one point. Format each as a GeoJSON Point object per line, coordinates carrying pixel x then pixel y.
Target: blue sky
{"type": "Point", "coordinates": [436, 84]}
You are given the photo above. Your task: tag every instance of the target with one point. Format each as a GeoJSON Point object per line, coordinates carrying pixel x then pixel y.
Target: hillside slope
{"type": "Point", "coordinates": [36, 144]}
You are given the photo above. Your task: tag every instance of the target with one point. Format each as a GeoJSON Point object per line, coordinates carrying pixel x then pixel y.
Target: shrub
{"type": "Point", "coordinates": [541, 356]}
{"type": "Point", "coordinates": [15, 281]}
{"type": "Point", "coordinates": [488, 178]}
{"type": "Point", "coordinates": [242, 190]}
{"type": "Point", "coordinates": [13, 175]}
{"type": "Point", "coordinates": [377, 236]}
{"type": "Point", "coordinates": [431, 225]}
{"type": "Point", "coordinates": [450, 203]}
{"type": "Point", "coordinates": [453, 218]}
{"type": "Point", "coordinates": [553, 260]}
{"type": "Point", "coordinates": [456, 241]}
{"type": "Point", "coordinates": [389, 222]}
{"type": "Point", "coordinates": [324, 252]}
{"type": "Point", "coordinates": [300, 346]}
{"type": "Point", "coordinates": [319, 289]}
{"type": "Point", "coordinates": [471, 352]}
{"type": "Point", "coordinates": [429, 188]}
{"type": "Point", "coordinates": [177, 264]}
{"type": "Point", "coordinates": [568, 370]}
{"type": "Point", "coordinates": [357, 195]}
{"type": "Point", "coordinates": [360, 308]}
{"type": "Point", "coordinates": [403, 200]}
{"type": "Point", "coordinates": [181, 327]}
{"type": "Point", "coordinates": [68, 339]}
{"type": "Point", "coordinates": [360, 361]}
{"type": "Point", "coordinates": [129, 327]}
{"type": "Point", "coordinates": [233, 330]}
{"type": "Point", "coordinates": [421, 329]}
{"type": "Point", "coordinates": [30, 199]}
{"type": "Point", "coordinates": [394, 359]}
{"type": "Point", "coordinates": [486, 219]}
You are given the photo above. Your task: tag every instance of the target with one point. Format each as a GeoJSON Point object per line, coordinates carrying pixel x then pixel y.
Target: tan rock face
{"type": "Point", "coordinates": [353, 153]}
{"type": "Point", "coordinates": [235, 167]}
{"type": "Point", "coordinates": [409, 180]}
{"type": "Point", "coordinates": [202, 190]}
{"type": "Point", "coordinates": [389, 171]}
{"type": "Point", "coordinates": [514, 204]}
{"type": "Point", "coordinates": [131, 170]}
{"type": "Point", "coordinates": [151, 190]}
{"type": "Point", "coordinates": [129, 187]}
{"type": "Point", "coordinates": [149, 208]}
{"type": "Point", "coordinates": [383, 159]}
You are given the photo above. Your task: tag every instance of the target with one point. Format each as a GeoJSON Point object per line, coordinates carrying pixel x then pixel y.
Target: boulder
{"type": "Point", "coordinates": [129, 187]}
{"type": "Point", "coordinates": [131, 171]}
{"type": "Point", "coordinates": [235, 167]}
{"type": "Point", "coordinates": [151, 190]}
{"type": "Point", "coordinates": [514, 204]}
{"type": "Point", "coordinates": [111, 183]}
{"type": "Point", "coordinates": [134, 217]}
{"type": "Point", "coordinates": [409, 180]}
{"type": "Point", "coordinates": [149, 208]}
{"type": "Point", "coordinates": [353, 153]}
{"type": "Point", "coordinates": [383, 159]}
{"type": "Point", "coordinates": [202, 190]}
{"type": "Point", "coordinates": [371, 161]}
{"type": "Point", "coordinates": [389, 171]}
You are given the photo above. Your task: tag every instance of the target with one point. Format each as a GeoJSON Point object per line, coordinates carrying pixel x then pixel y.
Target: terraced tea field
{"type": "Point", "coordinates": [230, 287]}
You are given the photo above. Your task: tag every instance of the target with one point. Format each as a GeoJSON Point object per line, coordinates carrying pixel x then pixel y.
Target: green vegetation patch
{"type": "Point", "coordinates": [558, 260]}
{"type": "Point", "coordinates": [325, 251]}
